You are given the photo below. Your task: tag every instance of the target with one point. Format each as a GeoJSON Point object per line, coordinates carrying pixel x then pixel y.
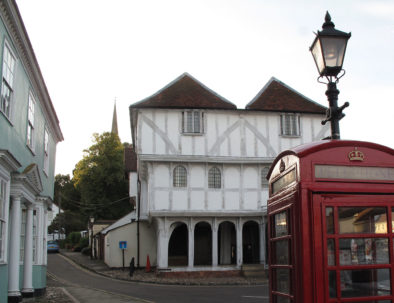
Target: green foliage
{"type": "Point", "coordinates": [73, 238]}
{"type": "Point", "coordinates": [84, 242]}
{"type": "Point", "coordinates": [69, 221]}
{"type": "Point", "coordinates": [99, 178]}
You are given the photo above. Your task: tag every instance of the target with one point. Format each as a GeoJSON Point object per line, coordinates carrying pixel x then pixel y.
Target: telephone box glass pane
{"type": "Point", "coordinates": [330, 252]}
{"type": "Point", "coordinates": [332, 283]}
{"type": "Point", "coordinates": [281, 252]}
{"type": "Point", "coordinates": [330, 220]}
{"type": "Point", "coordinates": [392, 220]}
{"type": "Point", "coordinates": [365, 282]}
{"type": "Point", "coordinates": [282, 280]}
{"type": "Point", "coordinates": [363, 251]}
{"type": "Point", "coordinates": [280, 299]}
{"type": "Point", "coordinates": [362, 220]}
{"type": "Point", "coordinates": [281, 224]}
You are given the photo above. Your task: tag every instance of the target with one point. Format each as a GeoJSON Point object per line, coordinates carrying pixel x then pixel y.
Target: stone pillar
{"type": "Point", "coordinates": [28, 290]}
{"type": "Point", "coordinates": [239, 243]}
{"type": "Point", "coordinates": [214, 243]}
{"type": "Point", "coordinates": [191, 245]}
{"type": "Point", "coordinates": [14, 293]}
{"type": "Point", "coordinates": [162, 245]}
{"type": "Point", "coordinates": [262, 242]}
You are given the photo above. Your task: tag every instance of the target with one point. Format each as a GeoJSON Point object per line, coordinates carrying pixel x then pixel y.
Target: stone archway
{"type": "Point", "coordinates": [178, 245]}
{"type": "Point", "coordinates": [202, 244]}
{"type": "Point", "coordinates": [227, 244]}
{"type": "Point", "coordinates": [251, 243]}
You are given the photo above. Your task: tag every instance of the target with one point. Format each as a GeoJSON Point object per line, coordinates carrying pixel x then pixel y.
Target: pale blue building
{"type": "Point", "coordinates": [29, 132]}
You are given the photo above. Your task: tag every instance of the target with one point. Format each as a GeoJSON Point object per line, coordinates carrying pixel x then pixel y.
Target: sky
{"type": "Point", "coordinates": [93, 52]}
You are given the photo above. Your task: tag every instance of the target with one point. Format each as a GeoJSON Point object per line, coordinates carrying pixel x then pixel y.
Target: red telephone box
{"type": "Point", "coordinates": [331, 223]}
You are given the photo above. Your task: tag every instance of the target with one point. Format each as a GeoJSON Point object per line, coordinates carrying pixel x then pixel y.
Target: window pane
{"type": "Point", "coordinates": [189, 121]}
{"type": "Point", "coordinates": [330, 252]}
{"type": "Point", "coordinates": [280, 299]}
{"type": "Point", "coordinates": [180, 178]}
{"type": "Point", "coordinates": [332, 283]}
{"type": "Point", "coordinates": [280, 224]}
{"type": "Point", "coordinates": [281, 252]}
{"type": "Point", "coordinates": [363, 251]}
{"type": "Point", "coordinates": [214, 178]}
{"type": "Point", "coordinates": [282, 280]}
{"type": "Point", "coordinates": [365, 282]}
{"type": "Point", "coordinates": [196, 122]}
{"type": "Point", "coordinates": [330, 220]}
{"type": "Point", "coordinates": [362, 220]}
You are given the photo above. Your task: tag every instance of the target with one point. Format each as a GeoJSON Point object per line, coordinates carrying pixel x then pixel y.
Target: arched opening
{"type": "Point", "coordinates": [251, 243]}
{"type": "Point", "coordinates": [178, 246]}
{"type": "Point", "coordinates": [227, 244]}
{"type": "Point", "coordinates": [202, 244]}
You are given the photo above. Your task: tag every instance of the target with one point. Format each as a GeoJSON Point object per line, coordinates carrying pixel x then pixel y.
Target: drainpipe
{"type": "Point", "coordinates": [138, 221]}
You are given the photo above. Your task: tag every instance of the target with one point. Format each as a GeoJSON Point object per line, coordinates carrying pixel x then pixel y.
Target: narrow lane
{"type": "Point", "coordinates": [72, 275]}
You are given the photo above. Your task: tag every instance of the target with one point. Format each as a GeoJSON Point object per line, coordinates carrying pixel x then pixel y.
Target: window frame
{"type": "Point", "coordinates": [290, 125]}
{"type": "Point", "coordinates": [8, 84]}
{"type": "Point", "coordinates": [177, 179]}
{"type": "Point", "coordinates": [214, 178]}
{"type": "Point", "coordinates": [46, 152]}
{"type": "Point", "coordinates": [30, 132]}
{"type": "Point", "coordinates": [189, 125]}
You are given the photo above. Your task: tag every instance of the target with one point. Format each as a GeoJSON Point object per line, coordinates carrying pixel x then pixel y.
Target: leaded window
{"type": "Point", "coordinates": [23, 233]}
{"type": "Point", "coordinates": [290, 125]}
{"type": "Point", "coordinates": [192, 122]}
{"type": "Point", "coordinates": [214, 178]}
{"type": "Point", "coordinates": [7, 82]}
{"type": "Point", "coordinates": [264, 173]}
{"type": "Point", "coordinates": [180, 176]}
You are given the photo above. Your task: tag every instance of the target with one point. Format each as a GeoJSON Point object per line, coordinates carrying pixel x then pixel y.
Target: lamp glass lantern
{"type": "Point", "coordinates": [328, 49]}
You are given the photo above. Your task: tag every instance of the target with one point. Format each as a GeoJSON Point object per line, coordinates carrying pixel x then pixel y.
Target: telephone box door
{"type": "Point", "coordinates": [353, 237]}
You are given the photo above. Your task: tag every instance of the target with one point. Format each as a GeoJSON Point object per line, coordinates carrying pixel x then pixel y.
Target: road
{"type": "Point", "coordinates": [72, 276]}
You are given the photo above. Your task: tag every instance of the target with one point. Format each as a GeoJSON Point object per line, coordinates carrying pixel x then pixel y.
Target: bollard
{"type": "Point", "coordinates": [132, 267]}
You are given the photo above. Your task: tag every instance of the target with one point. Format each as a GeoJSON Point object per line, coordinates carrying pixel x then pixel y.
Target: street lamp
{"type": "Point", "coordinates": [91, 221]}
{"type": "Point", "coordinates": [328, 50]}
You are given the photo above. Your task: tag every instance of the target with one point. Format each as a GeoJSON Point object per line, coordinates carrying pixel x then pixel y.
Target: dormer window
{"type": "Point", "coordinates": [290, 125]}
{"type": "Point", "coordinates": [192, 122]}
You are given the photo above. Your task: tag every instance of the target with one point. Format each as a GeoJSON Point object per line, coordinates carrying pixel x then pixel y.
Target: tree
{"type": "Point", "coordinates": [99, 178]}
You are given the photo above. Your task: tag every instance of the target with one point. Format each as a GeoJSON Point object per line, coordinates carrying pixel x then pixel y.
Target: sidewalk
{"type": "Point", "coordinates": [140, 275]}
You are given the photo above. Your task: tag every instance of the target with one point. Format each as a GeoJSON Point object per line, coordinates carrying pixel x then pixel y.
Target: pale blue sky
{"type": "Point", "coordinates": [92, 51]}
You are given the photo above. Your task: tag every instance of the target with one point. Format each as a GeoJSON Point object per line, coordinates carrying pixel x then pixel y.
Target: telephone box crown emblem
{"type": "Point", "coordinates": [356, 155]}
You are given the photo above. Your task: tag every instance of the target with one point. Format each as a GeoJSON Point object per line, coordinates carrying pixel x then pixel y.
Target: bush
{"type": "Point", "coordinates": [84, 242]}
{"type": "Point", "coordinates": [86, 251]}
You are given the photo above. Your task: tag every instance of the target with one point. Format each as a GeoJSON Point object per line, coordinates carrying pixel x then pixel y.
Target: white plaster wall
{"type": "Point", "coordinates": [227, 133]}
{"type": "Point", "coordinates": [113, 255]}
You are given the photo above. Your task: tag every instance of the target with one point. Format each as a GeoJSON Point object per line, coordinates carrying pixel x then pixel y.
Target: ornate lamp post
{"type": "Point", "coordinates": [91, 222]}
{"type": "Point", "coordinates": [328, 50]}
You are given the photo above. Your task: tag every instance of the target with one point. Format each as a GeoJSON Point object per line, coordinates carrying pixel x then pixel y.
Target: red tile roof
{"type": "Point", "coordinates": [185, 92]}
{"type": "Point", "coordinates": [277, 96]}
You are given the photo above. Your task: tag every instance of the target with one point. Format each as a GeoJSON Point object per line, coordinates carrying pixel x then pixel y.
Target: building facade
{"type": "Point", "coordinates": [29, 132]}
{"type": "Point", "coordinates": [202, 166]}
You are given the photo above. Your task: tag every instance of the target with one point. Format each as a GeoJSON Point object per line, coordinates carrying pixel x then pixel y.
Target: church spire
{"type": "Point", "coordinates": [114, 129]}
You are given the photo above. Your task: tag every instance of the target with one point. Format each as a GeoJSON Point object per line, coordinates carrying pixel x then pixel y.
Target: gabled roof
{"type": "Point", "coordinates": [185, 92]}
{"type": "Point", "coordinates": [277, 96]}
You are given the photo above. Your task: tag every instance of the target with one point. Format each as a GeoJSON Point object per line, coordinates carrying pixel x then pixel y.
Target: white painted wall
{"type": "Point", "coordinates": [228, 133]}
{"type": "Point", "coordinates": [113, 254]}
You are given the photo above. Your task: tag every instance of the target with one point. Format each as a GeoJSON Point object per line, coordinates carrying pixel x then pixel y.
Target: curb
{"type": "Point", "coordinates": [179, 283]}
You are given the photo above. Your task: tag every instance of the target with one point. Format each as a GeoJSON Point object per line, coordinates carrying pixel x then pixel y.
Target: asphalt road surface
{"type": "Point", "coordinates": [69, 275]}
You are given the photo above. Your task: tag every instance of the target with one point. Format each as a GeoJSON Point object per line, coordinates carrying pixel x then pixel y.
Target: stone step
{"type": "Point", "coordinates": [254, 271]}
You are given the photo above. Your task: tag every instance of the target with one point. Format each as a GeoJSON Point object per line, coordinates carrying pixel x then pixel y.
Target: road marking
{"type": "Point", "coordinates": [69, 295]}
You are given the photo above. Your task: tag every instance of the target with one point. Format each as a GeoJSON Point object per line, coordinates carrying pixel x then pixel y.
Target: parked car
{"type": "Point", "coordinates": [53, 247]}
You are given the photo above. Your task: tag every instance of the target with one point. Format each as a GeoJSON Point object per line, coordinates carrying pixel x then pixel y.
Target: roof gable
{"type": "Point", "coordinates": [185, 92]}
{"type": "Point", "coordinates": [277, 96]}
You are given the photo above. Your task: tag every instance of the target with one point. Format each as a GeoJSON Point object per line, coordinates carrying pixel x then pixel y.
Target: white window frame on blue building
{"type": "Point", "coordinates": [30, 134]}
{"type": "Point", "coordinates": [7, 91]}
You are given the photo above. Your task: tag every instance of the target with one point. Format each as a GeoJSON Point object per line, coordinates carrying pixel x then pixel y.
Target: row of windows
{"type": "Point", "coordinates": [214, 177]}
{"type": "Point", "coordinates": [193, 123]}
{"type": "Point", "coordinates": [6, 105]}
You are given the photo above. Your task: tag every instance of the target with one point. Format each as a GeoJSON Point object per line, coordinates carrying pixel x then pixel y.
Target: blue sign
{"type": "Point", "coordinates": [122, 244]}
